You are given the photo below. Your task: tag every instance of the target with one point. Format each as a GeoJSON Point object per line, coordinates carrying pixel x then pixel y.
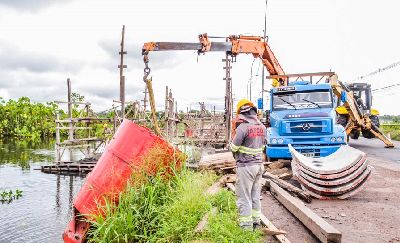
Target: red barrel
{"type": "Point", "coordinates": [123, 155]}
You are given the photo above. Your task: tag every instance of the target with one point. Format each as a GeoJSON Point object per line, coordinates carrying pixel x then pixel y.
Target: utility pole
{"type": "Point", "coordinates": [263, 68]}
{"type": "Point", "coordinates": [228, 97]}
{"type": "Point", "coordinates": [121, 67]}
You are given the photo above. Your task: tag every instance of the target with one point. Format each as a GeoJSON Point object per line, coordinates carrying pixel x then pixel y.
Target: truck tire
{"type": "Point", "coordinates": [375, 121]}
{"type": "Point", "coordinates": [342, 120]}
{"type": "Point", "coordinates": [354, 134]}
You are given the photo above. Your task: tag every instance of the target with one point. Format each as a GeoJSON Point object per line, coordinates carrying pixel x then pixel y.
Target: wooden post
{"type": "Point", "coordinates": [71, 129]}
{"type": "Point", "coordinates": [228, 98]}
{"type": "Point", "coordinates": [58, 140]}
{"type": "Point", "coordinates": [71, 124]}
{"type": "Point", "coordinates": [122, 96]}
{"type": "Point", "coordinates": [166, 114]}
{"type": "Point", "coordinates": [121, 67]}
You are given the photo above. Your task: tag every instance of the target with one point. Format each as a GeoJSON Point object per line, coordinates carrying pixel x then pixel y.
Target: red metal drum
{"type": "Point", "coordinates": [112, 172]}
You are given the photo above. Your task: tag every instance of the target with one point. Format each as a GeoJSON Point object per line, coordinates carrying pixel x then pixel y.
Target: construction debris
{"type": "Point", "coordinates": [217, 161]}
{"type": "Point", "coordinates": [222, 162]}
{"type": "Point", "coordinates": [337, 176]}
{"type": "Point", "coordinates": [318, 226]}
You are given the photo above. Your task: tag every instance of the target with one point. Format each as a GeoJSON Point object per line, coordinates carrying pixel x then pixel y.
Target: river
{"type": "Point", "coordinates": [45, 208]}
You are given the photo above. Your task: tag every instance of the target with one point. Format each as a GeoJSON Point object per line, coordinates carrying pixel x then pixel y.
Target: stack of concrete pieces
{"type": "Point", "coordinates": [337, 176]}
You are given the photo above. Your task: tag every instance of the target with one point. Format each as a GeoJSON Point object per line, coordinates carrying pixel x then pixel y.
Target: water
{"type": "Point", "coordinates": [45, 208]}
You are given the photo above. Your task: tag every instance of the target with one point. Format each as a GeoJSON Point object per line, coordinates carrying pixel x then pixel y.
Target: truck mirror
{"type": "Point", "coordinates": [343, 96]}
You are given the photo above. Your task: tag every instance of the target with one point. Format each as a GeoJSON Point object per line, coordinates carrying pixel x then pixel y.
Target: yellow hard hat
{"type": "Point", "coordinates": [243, 102]}
{"type": "Point", "coordinates": [275, 82]}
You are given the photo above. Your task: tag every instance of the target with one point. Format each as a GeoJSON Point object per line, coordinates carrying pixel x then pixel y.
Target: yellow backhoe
{"type": "Point", "coordinates": [356, 113]}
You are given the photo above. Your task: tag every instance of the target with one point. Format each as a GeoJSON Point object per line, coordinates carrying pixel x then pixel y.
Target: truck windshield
{"type": "Point", "coordinates": [302, 100]}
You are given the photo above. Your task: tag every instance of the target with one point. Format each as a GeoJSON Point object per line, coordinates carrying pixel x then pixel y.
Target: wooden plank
{"type": "Point", "coordinates": [212, 190]}
{"type": "Point", "coordinates": [278, 171]}
{"type": "Point", "coordinates": [317, 225]}
{"type": "Point", "coordinates": [276, 165]}
{"type": "Point", "coordinates": [286, 185]}
{"type": "Point", "coordinates": [273, 232]}
{"type": "Point", "coordinates": [204, 221]}
{"type": "Point", "coordinates": [285, 176]}
{"type": "Point", "coordinates": [264, 220]}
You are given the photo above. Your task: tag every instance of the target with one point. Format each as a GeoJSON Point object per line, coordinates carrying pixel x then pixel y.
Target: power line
{"type": "Point", "coordinates": [387, 88]}
{"type": "Point", "coordinates": [380, 70]}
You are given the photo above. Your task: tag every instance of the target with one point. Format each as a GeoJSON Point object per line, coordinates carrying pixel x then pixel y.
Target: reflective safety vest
{"type": "Point", "coordinates": [248, 143]}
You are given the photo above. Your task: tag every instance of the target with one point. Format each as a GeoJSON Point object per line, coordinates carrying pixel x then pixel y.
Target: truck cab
{"type": "Point", "coordinates": [303, 114]}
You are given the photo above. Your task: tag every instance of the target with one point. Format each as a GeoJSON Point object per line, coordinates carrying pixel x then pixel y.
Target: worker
{"type": "Point", "coordinates": [247, 147]}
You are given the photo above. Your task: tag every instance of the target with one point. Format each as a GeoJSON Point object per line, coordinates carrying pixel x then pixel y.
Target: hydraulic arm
{"type": "Point", "coordinates": [357, 120]}
{"type": "Point", "coordinates": [234, 45]}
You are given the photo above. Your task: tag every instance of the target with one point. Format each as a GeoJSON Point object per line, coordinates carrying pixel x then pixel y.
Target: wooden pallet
{"type": "Point", "coordinates": [69, 167]}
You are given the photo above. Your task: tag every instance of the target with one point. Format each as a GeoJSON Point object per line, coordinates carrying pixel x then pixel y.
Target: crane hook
{"type": "Point", "coordinates": [146, 69]}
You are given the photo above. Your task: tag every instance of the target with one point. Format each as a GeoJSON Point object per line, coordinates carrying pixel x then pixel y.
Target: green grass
{"type": "Point", "coordinates": [393, 130]}
{"type": "Point", "coordinates": [161, 210]}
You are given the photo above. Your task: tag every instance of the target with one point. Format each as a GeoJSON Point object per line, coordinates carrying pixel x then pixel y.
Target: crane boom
{"type": "Point", "coordinates": [234, 45]}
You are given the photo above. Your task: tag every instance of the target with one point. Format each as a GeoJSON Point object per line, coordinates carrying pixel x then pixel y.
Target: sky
{"type": "Point", "coordinates": [44, 42]}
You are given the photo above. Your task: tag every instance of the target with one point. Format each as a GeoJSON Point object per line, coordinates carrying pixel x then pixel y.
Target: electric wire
{"type": "Point", "coordinates": [380, 70]}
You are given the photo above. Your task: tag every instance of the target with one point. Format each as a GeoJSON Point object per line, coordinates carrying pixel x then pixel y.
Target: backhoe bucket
{"type": "Point", "coordinates": [337, 176]}
{"type": "Point", "coordinates": [125, 154]}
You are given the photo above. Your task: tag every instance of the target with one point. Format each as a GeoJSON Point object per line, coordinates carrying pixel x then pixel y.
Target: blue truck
{"type": "Point", "coordinates": [303, 114]}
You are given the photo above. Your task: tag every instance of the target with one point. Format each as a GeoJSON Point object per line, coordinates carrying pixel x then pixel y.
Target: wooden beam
{"type": "Point", "coordinates": [213, 190]}
{"type": "Point", "coordinates": [273, 232]}
{"type": "Point", "coordinates": [204, 221]}
{"type": "Point", "coordinates": [317, 225]}
{"type": "Point", "coordinates": [286, 185]}
{"type": "Point", "coordinates": [265, 221]}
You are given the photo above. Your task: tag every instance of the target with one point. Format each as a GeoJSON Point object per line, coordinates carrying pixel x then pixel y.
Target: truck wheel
{"type": "Point", "coordinates": [354, 134]}
{"type": "Point", "coordinates": [342, 120]}
{"type": "Point", "coordinates": [375, 121]}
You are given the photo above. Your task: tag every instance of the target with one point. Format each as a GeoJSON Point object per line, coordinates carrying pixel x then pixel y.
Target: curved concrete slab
{"type": "Point", "coordinates": [343, 159]}
{"type": "Point", "coordinates": [337, 181]}
{"type": "Point", "coordinates": [342, 196]}
{"type": "Point", "coordinates": [336, 190]}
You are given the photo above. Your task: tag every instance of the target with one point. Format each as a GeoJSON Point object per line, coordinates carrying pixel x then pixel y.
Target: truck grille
{"type": "Point", "coordinates": [306, 126]}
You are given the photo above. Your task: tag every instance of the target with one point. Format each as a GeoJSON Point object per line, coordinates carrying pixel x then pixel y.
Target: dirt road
{"type": "Point", "coordinates": [372, 215]}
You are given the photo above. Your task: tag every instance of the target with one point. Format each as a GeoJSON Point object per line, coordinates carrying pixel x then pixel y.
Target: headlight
{"type": "Point", "coordinates": [339, 139]}
{"type": "Point", "coordinates": [274, 141]}
{"type": "Point", "coordinates": [333, 139]}
{"type": "Point", "coordinates": [280, 140]}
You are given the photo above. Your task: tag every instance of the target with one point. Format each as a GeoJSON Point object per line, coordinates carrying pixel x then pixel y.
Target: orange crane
{"type": "Point", "coordinates": [235, 44]}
